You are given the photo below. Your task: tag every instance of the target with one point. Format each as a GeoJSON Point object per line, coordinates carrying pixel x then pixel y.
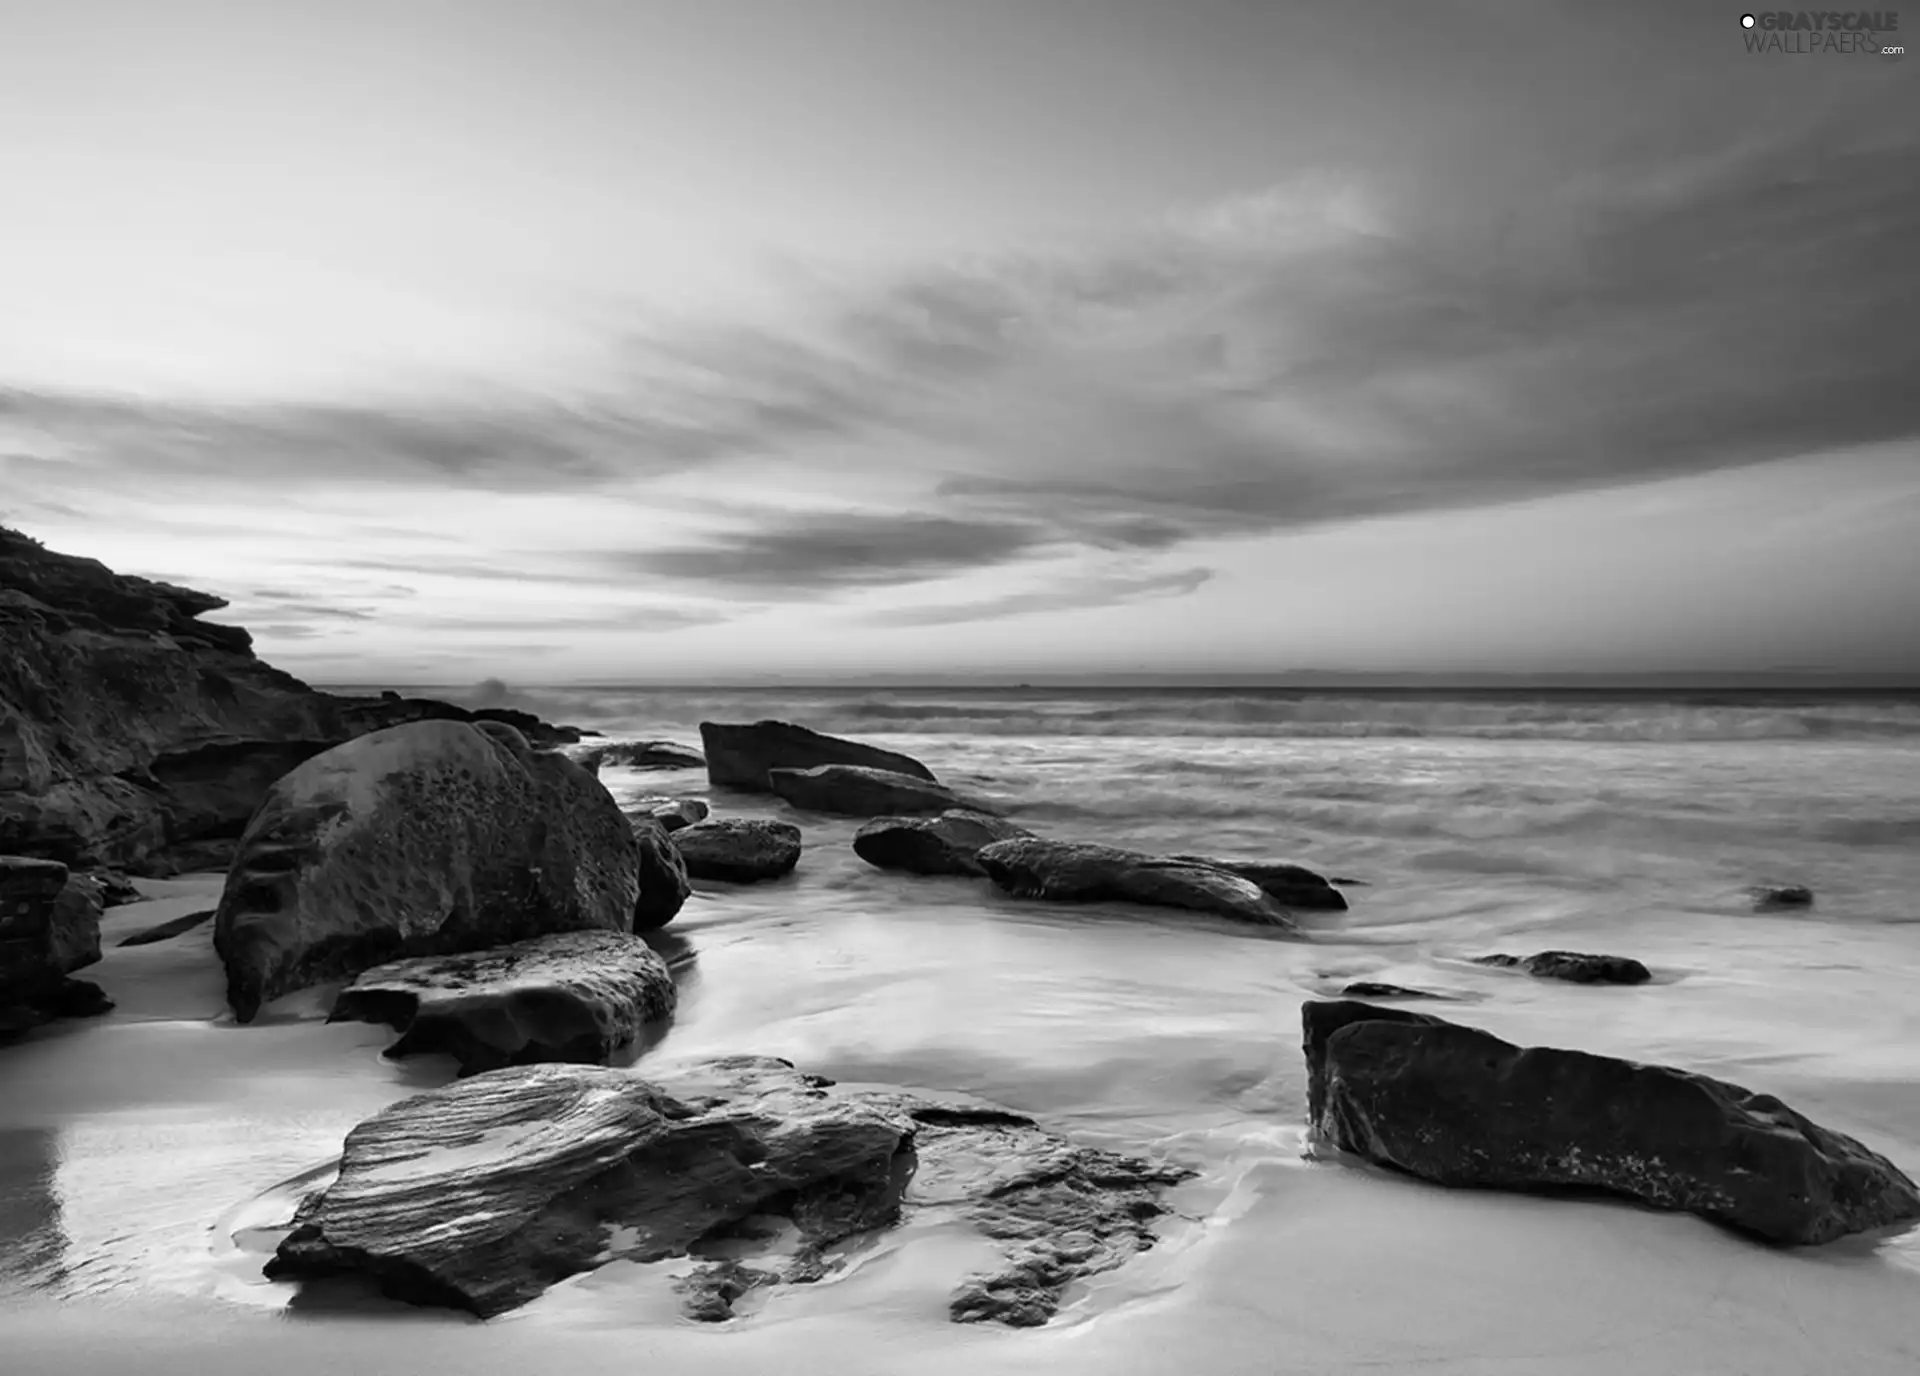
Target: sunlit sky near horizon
{"type": "Point", "coordinates": [629, 339]}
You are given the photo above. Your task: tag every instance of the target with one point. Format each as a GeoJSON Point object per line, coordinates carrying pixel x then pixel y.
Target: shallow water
{"type": "Point", "coordinates": [134, 1150]}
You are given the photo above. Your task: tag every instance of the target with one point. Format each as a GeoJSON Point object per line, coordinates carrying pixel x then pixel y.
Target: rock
{"type": "Point", "coordinates": [1373, 989]}
{"type": "Point", "coordinates": [134, 734]}
{"type": "Point", "coordinates": [663, 876]}
{"type": "Point", "coordinates": [484, 1193]}
{"type": "Point", "coordinates": [946, 844]}
{"type": "Point", "coordinates": [1770, 897]}
{"type": "Point", "coordinates": [739, 756]}
{"type": "Point", "coordinates": [426, 839]}
{"type": "Point", "coordinates": [673, 813]}
{"type": "Point", "coordinates": [1573, 966]}
{"type": "Point", "coordinates": [49, 927]}
{"type": "Point", "coordinates": [116, 890]}
{"type": "Point", "coordinates": [851, 790]}
{"type": "Point", "coordinates": [738, 850]}
{"type": "Point", "coordinates": [572, 996]}
{"type": "Point", "coordinates": [1460, 1107]}
{"type": "Point", "coordinates": [1071, 872]}
{"type": "Point", "coordinates": [641, 755]}
{"type": "Point", "coordinates": [166, 931]}
{"type": "Point", "coordinates": [1293, 886]}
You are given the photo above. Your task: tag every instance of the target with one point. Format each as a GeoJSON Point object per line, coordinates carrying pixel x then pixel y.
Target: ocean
{"type": "Point", "coordinates": [1626, 823]}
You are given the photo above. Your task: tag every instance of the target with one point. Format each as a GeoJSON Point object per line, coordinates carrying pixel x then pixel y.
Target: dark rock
{"type": "Point", "coordinates": [663, 876]}
{"type": "Point", "coordinates": [116, 890]}
{"type": "Point", "coordinates": [641, 755]}
{"type": "Point", "coordinates": [1070, 872]}
{"type": "Point", "coordinates": [426, 839]}
{"type": "Point", "coordinates": [1770, 897]}
{"type": "Point", "coordinates": [850, 790]}
{"type": "Point", "coordinates": [738, 850]}
{"type": "Point", "coordinates": [166, 931]}
{"type": "Point", "coordinates": [1573, 966]}
{"type": "Point", "coordinates": [673, 813]}
{"type": "Point", "coordinates": [49, 927]}
{"type": "Point", "coordinates": [739, 756]}
{"type": "Point", "coordinates": [1344, 882]}
{"type": "Point", "coordinates": [946, 844]}
{"type": "Point", "coordinates": [573, 996]}
{"type": "Point", "coordinates": [1460, 1107]}
{"type": "Point", "coordinates": [483, 1194]}
{"type": "Point", "coordinates": [1293, 886]}
{"type": "Point", "coordinates": [1373, 989]}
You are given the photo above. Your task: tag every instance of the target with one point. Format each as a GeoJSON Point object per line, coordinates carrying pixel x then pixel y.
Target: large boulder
{"type": "Point", "coordinates": [739, 756]}
{"type": "Point", "coordinates": [738, 850]}
{"type": "Point", "coordinates": [482, 1194]}
{"type": "Point", "coordinates": [572, 996]}
{"type": "Point", "coordinates": [640, 755]}
{"type": "Point", "coordinates": [1074, 872]}
{"type": "Point", "coordinates": [424, 839]}
{"type": "Point", "coordinates": [663, 875]}
{"type": "Point", "coordinates": [947, 844]}
{"type": "Point", "coordinates": [1460, 1107]}
{"type": "Point", "coordinates": [1292, 886]}
{"type": "Point", "coordinates": [1575, 967]}
{"type": "Point", "coordinates": [49, 927]}
{"type": "Point", "coordinates": [852, 790]}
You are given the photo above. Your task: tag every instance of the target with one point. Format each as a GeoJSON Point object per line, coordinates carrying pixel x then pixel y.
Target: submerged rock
{"type": "Point", "coordinates": [166, 931]}
{"type": "Point", "coordinates": [739, 756]}
{"type": "Point", "coordinates": [663, 876]}
{"type": "Point", "coordinates": [1576, 967]}
{"type": "Point", "coordinates": [1374, 989]}
{"type": "Point", "coordinates": [1460, 1107]}
{"type": "Point", "coordinates": [483, 1194]}
{"type": "Point", "coordinates": [855, 791]}
{"type": "Point", "coordinates": [673, 813]}
{"type": "Point", "coordinates": [1292, 886]}
{"type": "Point", "coordinates": [1769, 897]}
{"type": "Point", "coordinates": [947, 844]}
{"type": "Point", "coordinates": [738, 850]}
{"type": "Point", "coordinates": [49, 927]}
{"type": "Point", "coordinates": [572, 996]}
{"type": "Point", "coordinates": [640, 755]}
{"type": "Point", "coordinates": [1071, 872]}
{"type": "Point", "coordinates": [426, 839]}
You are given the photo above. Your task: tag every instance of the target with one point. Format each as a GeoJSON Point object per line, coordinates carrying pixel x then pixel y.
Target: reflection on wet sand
{"type": "Point", "coordinates": [32, 1246]}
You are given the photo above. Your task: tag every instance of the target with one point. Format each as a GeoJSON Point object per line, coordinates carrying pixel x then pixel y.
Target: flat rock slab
{"type": "Point", "coordinates": [738, 850]}
{"type": "Point", "coordinates": [166, 931]}
{"type": "Point", "coordinates": [740, 756]}
{"type": "Point", "coordinates": [640, 755]}
{"type": "Point", "coordinates": [1576, 967]}
{"type": "Point", "coordinates": [947, 844]}
{"type": "Point", "coordinates": [1071, 872]}
{"type": "Point", "coordinates": [851, 790]}
{"type": "Point", "coordinates": [573, 996]}
{"type": "Point", "coordinates": [483, 1194]}
{"type": "Point", "coordinates": [1460, 1107]}
{"type": "Point", "coordinates": [1292, 886]}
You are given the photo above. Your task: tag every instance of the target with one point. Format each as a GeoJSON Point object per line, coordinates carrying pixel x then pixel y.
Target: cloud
{"type": "Point", "coordinates": [1073, 592]}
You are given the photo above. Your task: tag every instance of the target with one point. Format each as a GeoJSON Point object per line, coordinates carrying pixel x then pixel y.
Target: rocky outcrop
{"type": "Point", "coordinates": [851, 790]}
{"type": "Point", "coordinates": [573, 996]}
{"type": "Point", "coordinates": [739, 756]}
{"type": "Point", "coordinates": [947, 844]}
{"type": "Point", "coordinates": [738, 850]}
{"type": "Point", "coordinates": [1576, 967]}
{"type": "Point", "coordinates": [427, 839]}
{"type": "Point", "coordinates": [672, 813]}
{"type": "Point", "coordinates": [1773, 897]}
{"type": "Point", "coordinates": [663, 876]}
{"type": "Point", "coordinates": [1460, 1107]}
{"type": "Point", "coordinates": [1072, 872]}
{"type": "Point", "coordinates": [49, 927]}
{"type": "Point", "coordinates": [481, 1195]}
{"type": "Point", "coordinates": [640, 755]}
{"type": "Point", "coordinates": [1292, 886]}
{"type": "Point", "coordinates": [135, 734]}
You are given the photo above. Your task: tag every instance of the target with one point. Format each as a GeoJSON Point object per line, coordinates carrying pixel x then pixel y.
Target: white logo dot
{"type": "Point", "coordinates": [1746, 21]}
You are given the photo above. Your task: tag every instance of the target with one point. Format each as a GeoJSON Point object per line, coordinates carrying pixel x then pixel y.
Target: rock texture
{"type": "Point", "coordinates": [573, 996]}
{"type": "Point", "coordinates": [640, 755]}
{"type": "Point", "coordinates": [483, 1194]}
{"type": "Point", "coordinates": [49, 927]}
{"type": "Point", "coordinates": [1576, 967]}
{"type": "Point", "coordinates": [663, 876]}
{"type": "Point", "coordinates": [1458, 1106]}
{"type": "Point", "coordinates": [852, 790]}
{"type": "Point", "coordinates": [672, 813]}
{"type": "Point", "coordinates": [947, 844]}
{"type": "Point", "coordinates": [426, 839]}
{"type": "Point", "coordinates": [738, 850]}
{"type": "Point", "coordinates": [135, 734]}
{"type": "Point", "coordinates": [1071, 872]}
{"type": "Point", "coordinates": [1292, 886]}
{"type": "Point", "coordinates": [739, 756]}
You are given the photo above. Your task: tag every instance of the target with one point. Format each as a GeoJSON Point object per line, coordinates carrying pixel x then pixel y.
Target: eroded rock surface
{"type": "Point", "coordinates": [49, 927]}
{"type": "Point", "coordinates": [1460, 1107]}
{"type": "Point", "coordinates": [947, 844]}
{"type": "Point", "coordinates": [855, 791]}
{"type": "Point", "coordinates": [739, 756]}
{"type": "Point", "coordinates": [1074, 872]}
{"type": "Point", "coordinates": [738, 850]}
{"type": "Point", "coordinates": [1576, 967]}
{"type": "Point", "coordinates": [573, 996]}
{"type": "Point", "coordinates": [483, 1194]}
{"type": "Point", "coordinates": [1292, 886]}
{"type": "Point", "coordinates": [426, 839]}
{"type": "Point", "coordinates": [640, 755]}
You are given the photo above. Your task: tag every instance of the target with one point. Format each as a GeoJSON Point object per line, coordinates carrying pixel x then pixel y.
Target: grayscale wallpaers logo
{"type": "Point", "coordinates": [1872, 33]}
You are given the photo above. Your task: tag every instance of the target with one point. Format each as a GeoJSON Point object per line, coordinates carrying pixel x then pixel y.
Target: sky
{"type": "Point", "coordinates": [635, 340]}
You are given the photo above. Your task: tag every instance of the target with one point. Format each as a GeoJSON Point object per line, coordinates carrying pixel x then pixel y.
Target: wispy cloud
{"type": "Point", "coordinates": [1074, 592]}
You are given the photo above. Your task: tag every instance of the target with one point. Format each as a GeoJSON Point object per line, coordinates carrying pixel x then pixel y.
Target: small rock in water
{"type": "Point", "coordinates": [641, 755]}
{"type": "Point", "coordinates": [947, 844]}
{"type": "Point", "coordinates": [673, 813]}
{"type": "Point", "coordinates": [1293, 886]}
{"type": "Point", "coordinates": [738, 850]}
{"type": "Point", "coordinates": [573, 996]}
{"type": "Point", "coordinates": [1072, 872]}
{"type": "Point", "coordinates": [1576, 967]}
{"type": "Point", "coordinates": [740, 756]}
{"type": "Point", "coordinates": [1373, 989]}
{"type": "Point", "coordinates": [1767, 897]}
{"type": "Point", "coordinates": [855, 791]}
